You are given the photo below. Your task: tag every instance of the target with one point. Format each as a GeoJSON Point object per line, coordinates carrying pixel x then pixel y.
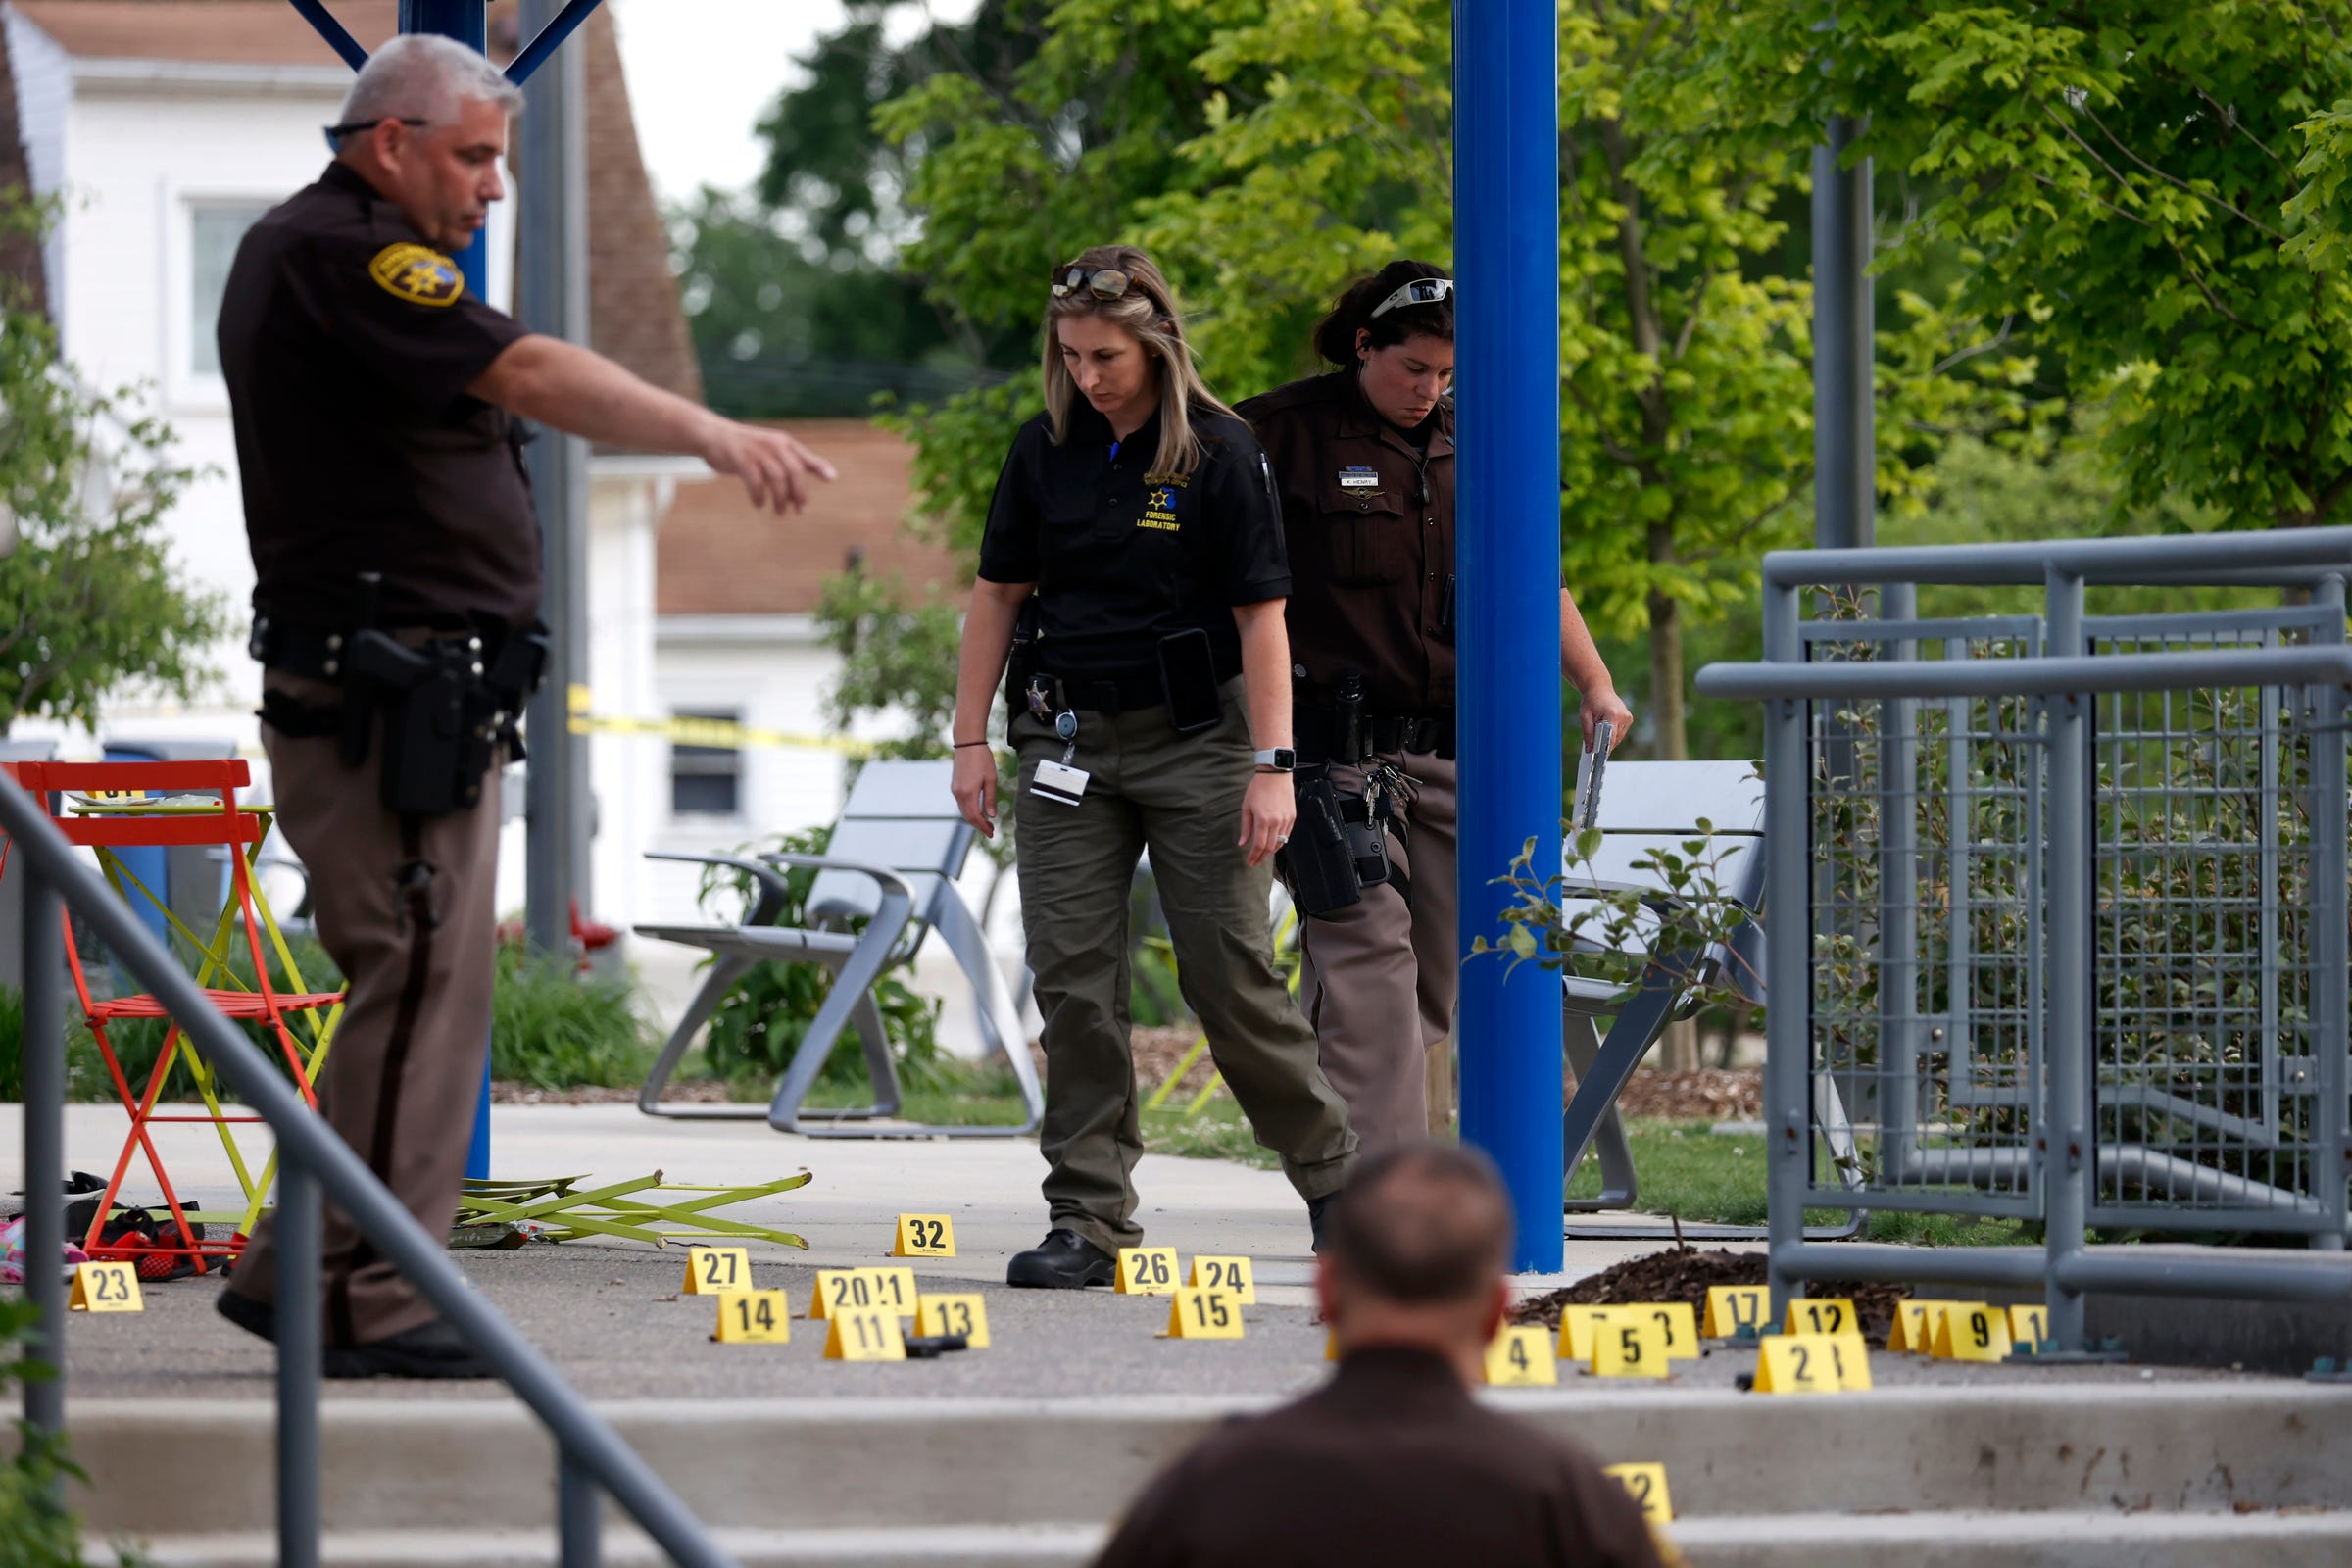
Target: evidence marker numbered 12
{"type": "Point", "coordinates": [712, 1270]}
{"type": "Point", "coordinates": [925, 1236]}
{"type": "Point", "coordinates": [966, 1315]}
{"type": "Point", "coordinates": [1197, 1314]}
{"type": "Point", "coordinates": [1820, 1314]}
{"type": "Point", "coordinates": [1647, 1485]}
{"type": "Point", "coordinates": [754, 1317]}
{"type": "Point", "coordinates": [1147, 1271]}
{"type": "Point", "coordinates": [1520, 1357]}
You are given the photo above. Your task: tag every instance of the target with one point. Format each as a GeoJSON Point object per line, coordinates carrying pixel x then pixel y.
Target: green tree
{"type": "Point", "coordinates": [92, 601]}
{"type": "Point", "coordinates": [2119, 177]}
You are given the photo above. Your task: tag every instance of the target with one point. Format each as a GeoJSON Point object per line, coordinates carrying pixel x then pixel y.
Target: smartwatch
{"type": "Point", "coordinates": [1277, 759]}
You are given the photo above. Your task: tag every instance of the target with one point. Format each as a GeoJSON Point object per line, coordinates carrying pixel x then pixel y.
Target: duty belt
{"type": "Point", "coordinates": [1316, 731]}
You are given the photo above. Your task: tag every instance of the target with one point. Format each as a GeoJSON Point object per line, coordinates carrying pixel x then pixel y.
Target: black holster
{"type": "Point", "coordinates": [1316, 863]}
{"type": "Point", "coordinates": [445, 713]}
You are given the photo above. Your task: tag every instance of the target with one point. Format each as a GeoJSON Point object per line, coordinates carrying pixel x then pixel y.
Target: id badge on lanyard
{"type": "Point", "coordinates": [1060, 781]}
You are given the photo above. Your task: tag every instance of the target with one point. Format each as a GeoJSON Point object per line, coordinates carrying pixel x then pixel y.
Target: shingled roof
{"type": "Point", "coordinates": [633, 314]}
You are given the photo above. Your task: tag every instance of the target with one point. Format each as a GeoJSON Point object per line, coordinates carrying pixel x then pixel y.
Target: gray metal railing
{"type": "Point", "coordinates": [2067, 894]}
{"type": "Point", "coordinates": [314, 1162]}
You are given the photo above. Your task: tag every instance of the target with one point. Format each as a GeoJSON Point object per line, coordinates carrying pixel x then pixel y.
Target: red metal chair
{"type": "Point", "coordinates": [116, 805]}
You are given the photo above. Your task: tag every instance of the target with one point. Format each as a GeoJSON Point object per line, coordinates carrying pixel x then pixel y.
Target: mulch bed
{"type": "Point", "coordinates": [1710, 1094]}
{"type": "Point", "coordinates": [1684, 1274]}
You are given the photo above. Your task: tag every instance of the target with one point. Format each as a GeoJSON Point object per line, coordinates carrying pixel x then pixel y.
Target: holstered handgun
{"type": "Point", "coordinates": [1318, 862]}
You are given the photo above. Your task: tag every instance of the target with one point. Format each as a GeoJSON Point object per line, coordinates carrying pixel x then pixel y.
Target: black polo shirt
{"type": "Point", "coordinates": [347, 343]}
{"type": "Point", "coordinates": [1123, 556]}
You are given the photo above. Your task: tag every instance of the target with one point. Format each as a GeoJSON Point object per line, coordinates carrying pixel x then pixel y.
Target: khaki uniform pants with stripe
{"type": "Point", "coordinates": [1380, 979]}
{"type": "Point", "coordinates": [1181, 797]}
{"type": "Point", "coordinates": [406, 1068]}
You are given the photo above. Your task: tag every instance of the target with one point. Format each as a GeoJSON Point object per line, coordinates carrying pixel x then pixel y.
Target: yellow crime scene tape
{"type": "Point", "coordinates": [718, 733]}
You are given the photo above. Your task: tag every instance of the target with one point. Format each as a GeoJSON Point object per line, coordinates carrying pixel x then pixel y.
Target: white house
{"type": "Point", "coordinates": [164, 126]}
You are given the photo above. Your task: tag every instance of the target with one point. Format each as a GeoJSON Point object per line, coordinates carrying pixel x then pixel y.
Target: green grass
{"type": "Point", "coordinates": [1686, 1172]}
{"type": "Point", "coordinates": [985, 1097]}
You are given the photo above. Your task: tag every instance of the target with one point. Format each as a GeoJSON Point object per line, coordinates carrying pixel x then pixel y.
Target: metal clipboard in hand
{"type": "Point", "coordinates": [1589, 765]}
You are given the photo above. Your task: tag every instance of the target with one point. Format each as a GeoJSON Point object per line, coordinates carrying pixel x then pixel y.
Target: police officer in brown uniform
{"type": "Point", "coordinates": [1363, 457]}
{"type": "Point", "coordinates": [396, 612]}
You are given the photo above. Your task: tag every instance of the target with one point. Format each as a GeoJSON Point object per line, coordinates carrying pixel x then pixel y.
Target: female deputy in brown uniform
{"type": "Point", "coordinates": [1364, 458]}
{"type": "Point", "coordinates": [1134, 529]}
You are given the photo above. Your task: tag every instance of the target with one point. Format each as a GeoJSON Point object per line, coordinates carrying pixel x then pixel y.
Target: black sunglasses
{"type": "Point", "coordinates": [1105, 283]}
{"type": "Point", "coordinates": [336, 133]}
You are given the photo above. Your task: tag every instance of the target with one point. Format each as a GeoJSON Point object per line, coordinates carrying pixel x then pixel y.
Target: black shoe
{"type": "Point", "coordinates": [1063, 1261]}
{"type": "Point", "coordinates": [1318, 1210]}
{"type": "Point", "coordinates": [428, 1350]}
{"type": "Point", "coordinates": [256, 1318]}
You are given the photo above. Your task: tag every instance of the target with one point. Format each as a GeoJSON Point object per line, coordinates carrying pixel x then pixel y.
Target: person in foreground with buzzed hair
{"type": "Point", "coordinates": [1394, 1461]}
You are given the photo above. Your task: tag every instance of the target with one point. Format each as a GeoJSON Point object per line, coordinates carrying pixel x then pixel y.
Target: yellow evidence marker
{"type": "Point", "coordinates": [893, 1287]}
{"type": "Point", "coordinates": [2028, 1326]}
{"type": "Point", "coordinates": [754, 1317]}
{"type": "Point", "coordinates": [1732, 1307]}
{"type": "Point", "coordinates": [1225, 1274]}
{"type": "Point", "coordinates": [925, 1236]}
{"type": "Point", "coordinates": [838, 1290]}
{"type": "Point", "coordinates": [712, 1270]}
{"type": "Point", "coordinates": [1676, 1321]}
{"type": "Point", "coordinates": [1147, 1271]}
{"type": "Point", "coordinates": [1822, 1314]}
{"type": "Point", "coordinates": [1631, 1344]}
{"type": "Point", "coordinates": [1648, 1484]}
{"type": "Point", "coordinates": [1520, 1357]}
{"type": "Point", "coordinates": [1197, 1314]}
{"type": "Point", "coordinates": [1972, 1331]}
{"type": "Point", "coordinates": [1579, 1326]}
{"type": "Point", "coordinates": [1914, 1327]}
{"type": "Point", "coordinates": [1812, 1363]}
{"type": "Point", "coordinates": [966, 1315]}
{"type": "Point", "coordinates": [106, 1288]}
{"type": "Point", "coordinates": [864, 1333]}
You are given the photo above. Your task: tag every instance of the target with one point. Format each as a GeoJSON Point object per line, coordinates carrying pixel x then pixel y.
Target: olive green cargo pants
{"type": "Point", "coordinates": [1181, 797]}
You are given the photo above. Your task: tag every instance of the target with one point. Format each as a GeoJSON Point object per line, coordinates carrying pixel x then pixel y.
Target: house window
{"type": "Point", "coordinates": [213, 230]}
{"type": "Point", "coordinates": [706, 780]}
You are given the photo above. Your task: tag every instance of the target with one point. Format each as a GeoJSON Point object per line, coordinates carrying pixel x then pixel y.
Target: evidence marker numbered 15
{"type": "Point", "coordinates": [712, 1270]}
{"type": "Point", "coordinates": [925, 1236]}
{"type": "Point", "coordinates": [754, 1317]}
{"type": "Point", "coordinates": [1197, 1314]}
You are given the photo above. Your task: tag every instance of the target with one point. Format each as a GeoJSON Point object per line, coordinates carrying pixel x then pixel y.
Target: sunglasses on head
{"type": "Point", "coordinates": [336, 133]}
{"type": "Point", "coordinates": [1420, 291]}
{"type": "Point", "coordinates": [1105, 283]}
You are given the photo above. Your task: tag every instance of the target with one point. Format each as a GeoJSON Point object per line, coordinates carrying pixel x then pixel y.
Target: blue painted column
{"type": "Point", "coordinates": [1506, 192]}
{"type": "Point", "coordinates": [467, 21]}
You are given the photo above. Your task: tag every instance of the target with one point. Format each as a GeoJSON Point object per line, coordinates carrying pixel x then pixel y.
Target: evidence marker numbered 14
{"type": "Point", "coordinates": [754, 1317]}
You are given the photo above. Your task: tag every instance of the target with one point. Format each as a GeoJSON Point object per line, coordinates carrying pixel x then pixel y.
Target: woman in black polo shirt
{"type": "Point", "coordinates": [1134, 537]}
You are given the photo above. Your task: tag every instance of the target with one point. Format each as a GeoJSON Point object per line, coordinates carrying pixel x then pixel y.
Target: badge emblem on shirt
{"type": "Point", "coordinates": [1159, 509]}
{"type": "Point", "coordinates": [1357, 478]}
{"type": "Point", "coordinates": [417, 273]}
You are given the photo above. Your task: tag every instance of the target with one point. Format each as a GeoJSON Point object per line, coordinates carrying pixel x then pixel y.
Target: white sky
{"type": "Point", "coordinates": [702, 72]}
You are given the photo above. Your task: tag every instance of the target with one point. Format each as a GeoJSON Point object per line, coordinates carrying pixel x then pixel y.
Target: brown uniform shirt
{"type": "Point", "coordinates": [1368, 517]}
{"type": "Point", "coordinates": [347, 343]}
{"type": "Point", "coordinates": [1392, 1462]}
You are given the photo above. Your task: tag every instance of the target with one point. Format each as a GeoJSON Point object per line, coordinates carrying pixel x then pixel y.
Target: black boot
{"type": "Point", "coordinates": [430, 1349]}
{"type": "Point", "coordinates": [254, 1317]}
{"type": "Point", "coordinates": [1318, 1210]}
{"type": "Point", "coordinates": [1063, 1261]}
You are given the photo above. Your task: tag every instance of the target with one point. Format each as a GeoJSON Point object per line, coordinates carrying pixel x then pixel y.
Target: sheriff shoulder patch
{"type": "Point", "coordinates": [417, 273]}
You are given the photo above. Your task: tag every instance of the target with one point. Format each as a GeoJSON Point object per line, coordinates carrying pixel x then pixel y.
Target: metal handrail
{"type": "Point", "coordinates": [2285, 557]}
{"type": "Point", "coordinates": [313, 1162]}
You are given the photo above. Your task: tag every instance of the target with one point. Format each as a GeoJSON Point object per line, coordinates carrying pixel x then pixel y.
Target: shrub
{"type": "Point", "coordinates": [553, 1028]}
{"type": "Point", "coordinates": [36, 1530]}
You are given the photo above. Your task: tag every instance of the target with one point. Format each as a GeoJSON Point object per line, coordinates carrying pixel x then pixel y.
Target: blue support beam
{"type": "Point", "coordinates": [324, 22]}
{"type": "Point", "coordinates": [558, 27]}
{"type": "Point", "coordinates": [1506, 186]}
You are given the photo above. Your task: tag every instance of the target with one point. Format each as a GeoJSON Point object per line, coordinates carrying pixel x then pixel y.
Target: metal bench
{"type": "Point", "coordinates": [892, 862]}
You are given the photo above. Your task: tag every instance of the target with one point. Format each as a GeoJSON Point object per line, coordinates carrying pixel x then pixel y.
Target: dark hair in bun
{"type": "Point", "coordinates": [1334, 338]}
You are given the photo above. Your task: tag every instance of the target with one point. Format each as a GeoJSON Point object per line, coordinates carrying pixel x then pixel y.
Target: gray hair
{"type": "Point", "coordinates": [422, 76]}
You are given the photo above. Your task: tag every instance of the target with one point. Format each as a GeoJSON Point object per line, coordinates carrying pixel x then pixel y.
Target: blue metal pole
{"type": "Point", "coordinates": [467, 21]}
{"type": "Point", "coordinates": [1507, 187]}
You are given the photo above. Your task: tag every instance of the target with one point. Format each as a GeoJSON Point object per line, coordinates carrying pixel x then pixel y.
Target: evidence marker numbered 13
{"type": "Point", "coordinates": [713, 1270]}
{"type": "Point", "coordinates": [925, 1236]}
{"type": "Point", "coordinates": [1147, 1271]}
{"type": "Point", "coordinates": [966, 1315]}
{"type": "Point", "coordinates": [754, 1317]}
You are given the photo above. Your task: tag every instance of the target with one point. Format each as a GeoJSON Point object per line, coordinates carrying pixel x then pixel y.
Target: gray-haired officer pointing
{"type": "Point", "coordinates": [396, 612]}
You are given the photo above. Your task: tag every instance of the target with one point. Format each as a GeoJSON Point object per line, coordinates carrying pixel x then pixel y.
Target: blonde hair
{"type": "Point", "coordinates": [1148, 312]}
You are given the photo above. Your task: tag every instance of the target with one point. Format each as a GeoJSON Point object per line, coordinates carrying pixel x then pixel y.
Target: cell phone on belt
{"type": "Point", "coordinates": [1188, 678]}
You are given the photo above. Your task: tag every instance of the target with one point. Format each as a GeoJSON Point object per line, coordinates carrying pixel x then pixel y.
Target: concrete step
{"type": "Point", "coordinates": [2077, 1539]}
{"type": "Point", "coordinates": [205, 1468]}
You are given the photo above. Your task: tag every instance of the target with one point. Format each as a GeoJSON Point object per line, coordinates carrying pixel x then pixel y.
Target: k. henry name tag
{"type": "Point", "coordinates": [1056, 782]}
